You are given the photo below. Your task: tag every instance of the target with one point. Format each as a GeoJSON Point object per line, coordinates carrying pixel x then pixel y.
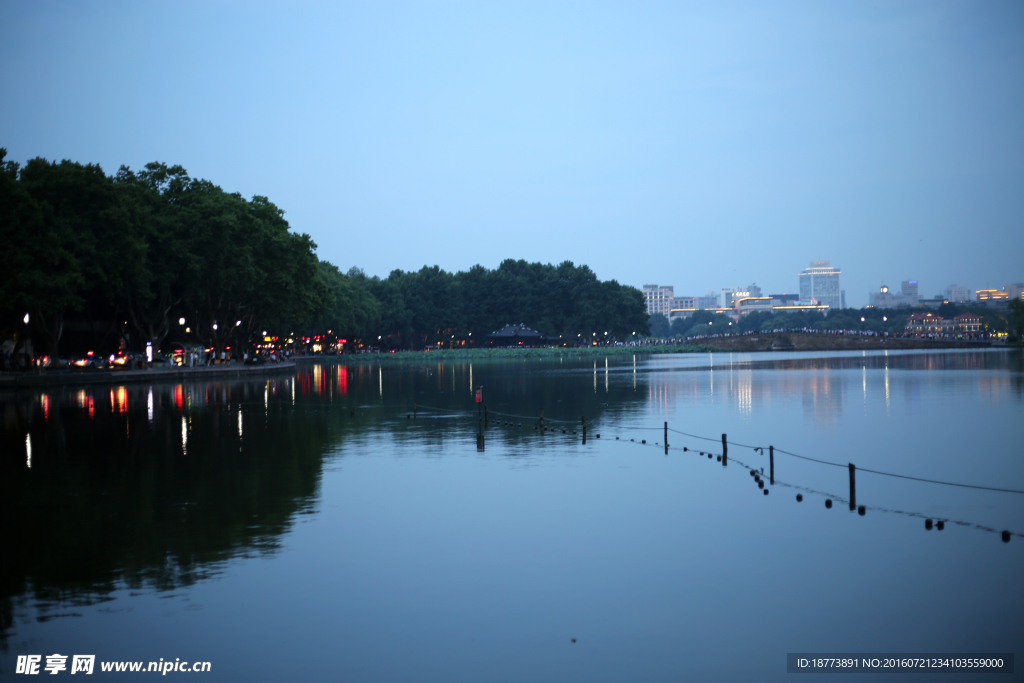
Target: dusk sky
{"type": "Point", "coordinates": [701, 145]}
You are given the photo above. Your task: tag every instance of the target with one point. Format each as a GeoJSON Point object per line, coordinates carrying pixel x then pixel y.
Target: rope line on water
{"type": "Point", "coordinates": [935, 481]}
{"type": "Point", "coordinates": [757, 448]}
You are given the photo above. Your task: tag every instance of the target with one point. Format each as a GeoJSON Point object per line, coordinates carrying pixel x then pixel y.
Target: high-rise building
{"type": "Point", "coordinates": [908, 289]}
{"type": "Point", "coordinates": [1014, 291]}
{"type": "Point", "coordinates": [956, 294]}
{"type": "Point", "coordinates": [659, 299]}
{"type": "Point", "coordinates": [709, 300]}
{"type": "Point", "coordinates": [726, 296]}
{"type": "Point", "coordinates": [821, 282]}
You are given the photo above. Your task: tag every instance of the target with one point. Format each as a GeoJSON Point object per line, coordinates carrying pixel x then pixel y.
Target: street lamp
{"type": "Point", "coordinates": [181, 321]}
{"type": "Point", "coordinates": [26, 318]}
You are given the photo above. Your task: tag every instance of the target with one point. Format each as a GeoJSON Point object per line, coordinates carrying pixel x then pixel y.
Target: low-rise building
{"type": "Point", "coordinates": [927, 324]}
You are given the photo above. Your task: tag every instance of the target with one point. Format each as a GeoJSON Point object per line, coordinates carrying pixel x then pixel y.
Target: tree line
{"type": "Point", "coordinates": [144, 255]}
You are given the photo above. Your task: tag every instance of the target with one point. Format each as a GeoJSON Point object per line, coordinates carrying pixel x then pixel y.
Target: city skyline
{"type": "Point", "coordinates": [746, 139]}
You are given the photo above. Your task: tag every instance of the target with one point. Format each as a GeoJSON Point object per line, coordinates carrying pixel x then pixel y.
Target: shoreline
{"type": "Point", "coordinates": [70, 377]}
{"type": "Point", "coordinates": [744, 343]}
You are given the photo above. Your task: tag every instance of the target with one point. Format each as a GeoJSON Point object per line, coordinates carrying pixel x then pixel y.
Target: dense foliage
{"type": "Point", "coordinates": [123, 258]}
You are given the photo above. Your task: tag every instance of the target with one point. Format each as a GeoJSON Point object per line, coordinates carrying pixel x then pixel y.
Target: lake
{"type": "Point", "coordinates": [360, 522]}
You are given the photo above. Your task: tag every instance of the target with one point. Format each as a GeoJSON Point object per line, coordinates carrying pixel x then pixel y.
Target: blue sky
{"type": "Point", "coordinates": [701, 145]}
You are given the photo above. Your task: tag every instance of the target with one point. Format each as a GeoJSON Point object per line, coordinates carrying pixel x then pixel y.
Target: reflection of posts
{"type": "Point", "coordinates": [480, 441]}
{"type": "Point", "coordinates": [771, 465]}
{"type": "Point", "coordinates": [853, 487]}
{"type": "Point", "coordinates": [725, 451]}
{"type": "Point", "coordinates": [583, 419]}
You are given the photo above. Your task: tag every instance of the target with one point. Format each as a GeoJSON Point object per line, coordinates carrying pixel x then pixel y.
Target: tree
{"type": "Point", "coordinates": [159, 277]}
{"type": "Point", "coordinates": [1016, 318]}
{"type": "Point", "coordinates": [659, 325]}
{"type": "Point", "coordinates": [59, 262]}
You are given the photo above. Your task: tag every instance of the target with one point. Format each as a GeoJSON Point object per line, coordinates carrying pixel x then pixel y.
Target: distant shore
{"type": "Point", "coordinates": [787, 341]}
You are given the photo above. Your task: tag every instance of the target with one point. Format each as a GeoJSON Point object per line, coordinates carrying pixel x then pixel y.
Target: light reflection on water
{"type": "Point", "coordinates": [441, 541]}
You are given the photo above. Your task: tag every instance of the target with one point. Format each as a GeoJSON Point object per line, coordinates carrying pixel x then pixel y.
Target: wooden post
{"type": "Point", "coordinates": [583, 419]}
{"type": "Point", "coordinates": [771, 465]}
{"type": "Point", "coordinates": [853, 487]}
{"type": "Point", "coordinates": [725, 451]}
{"type": "Point", "coordinates": [666, 438]}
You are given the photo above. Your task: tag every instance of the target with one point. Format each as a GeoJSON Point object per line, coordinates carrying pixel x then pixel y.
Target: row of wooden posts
{"type": "Point", "coordinates": [725, 450]}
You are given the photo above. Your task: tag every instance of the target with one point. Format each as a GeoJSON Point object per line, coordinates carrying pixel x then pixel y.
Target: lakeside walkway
{"type": "Point", "coordinates": [64, 377]}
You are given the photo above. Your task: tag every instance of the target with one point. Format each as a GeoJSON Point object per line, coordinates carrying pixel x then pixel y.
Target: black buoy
{"type": "Point", "coordinates": [1006, 537]}
{"type": "Point", "coordinates": [616, 438]}
{"type": "Point", "coordinates": [408, 416]}
{"type": "Point", "coordinates": [684, 449]}
{"type": "Point", "coordinates": [828, 503]}
{"type": "Point", "coordinates": [760, 484]}
{"type": "Point", "coordinates": [709, 455]}
{"type": "Point", "coordinates": [940, 525]}
{"type": "Point", "coordinates": [598, 436]}
{"type": "Point", "coordinates": [643, 440]}
{"type": "Point", "coordinates": [928, 524]}
{"type": "Point", "coordinates": [631, 440]}
{"type": "Point", "coordinates": [563, 431]}
{"type": "Point", "coordinates": [719, 458]}
{"type": "Point", "coordinates": [766, 492]}
{"type": "Point", "coordinates": [861, 510]}
{"type": "Point", "coordinates": [534, 429]}
{"type": "Point", "coordinates": [751, 472]}
{"type": "Point", "coordinates": [799, 497]}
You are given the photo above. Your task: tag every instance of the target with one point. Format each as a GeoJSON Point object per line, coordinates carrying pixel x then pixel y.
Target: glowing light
{"type": "Point", "coordinates": [238, 323]}
{"type": "Point", "coordinates": [215, 326]}
{"type": "Point", "coordinates": [28, 450]}
{"type": "Point", "coordinates": [181, 321]}
{"type": "Point", "coordinates": [26, 318]}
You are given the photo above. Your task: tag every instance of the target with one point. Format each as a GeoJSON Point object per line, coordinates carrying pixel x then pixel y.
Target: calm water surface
{"type": "Point", "coordinates": [306, 527]}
